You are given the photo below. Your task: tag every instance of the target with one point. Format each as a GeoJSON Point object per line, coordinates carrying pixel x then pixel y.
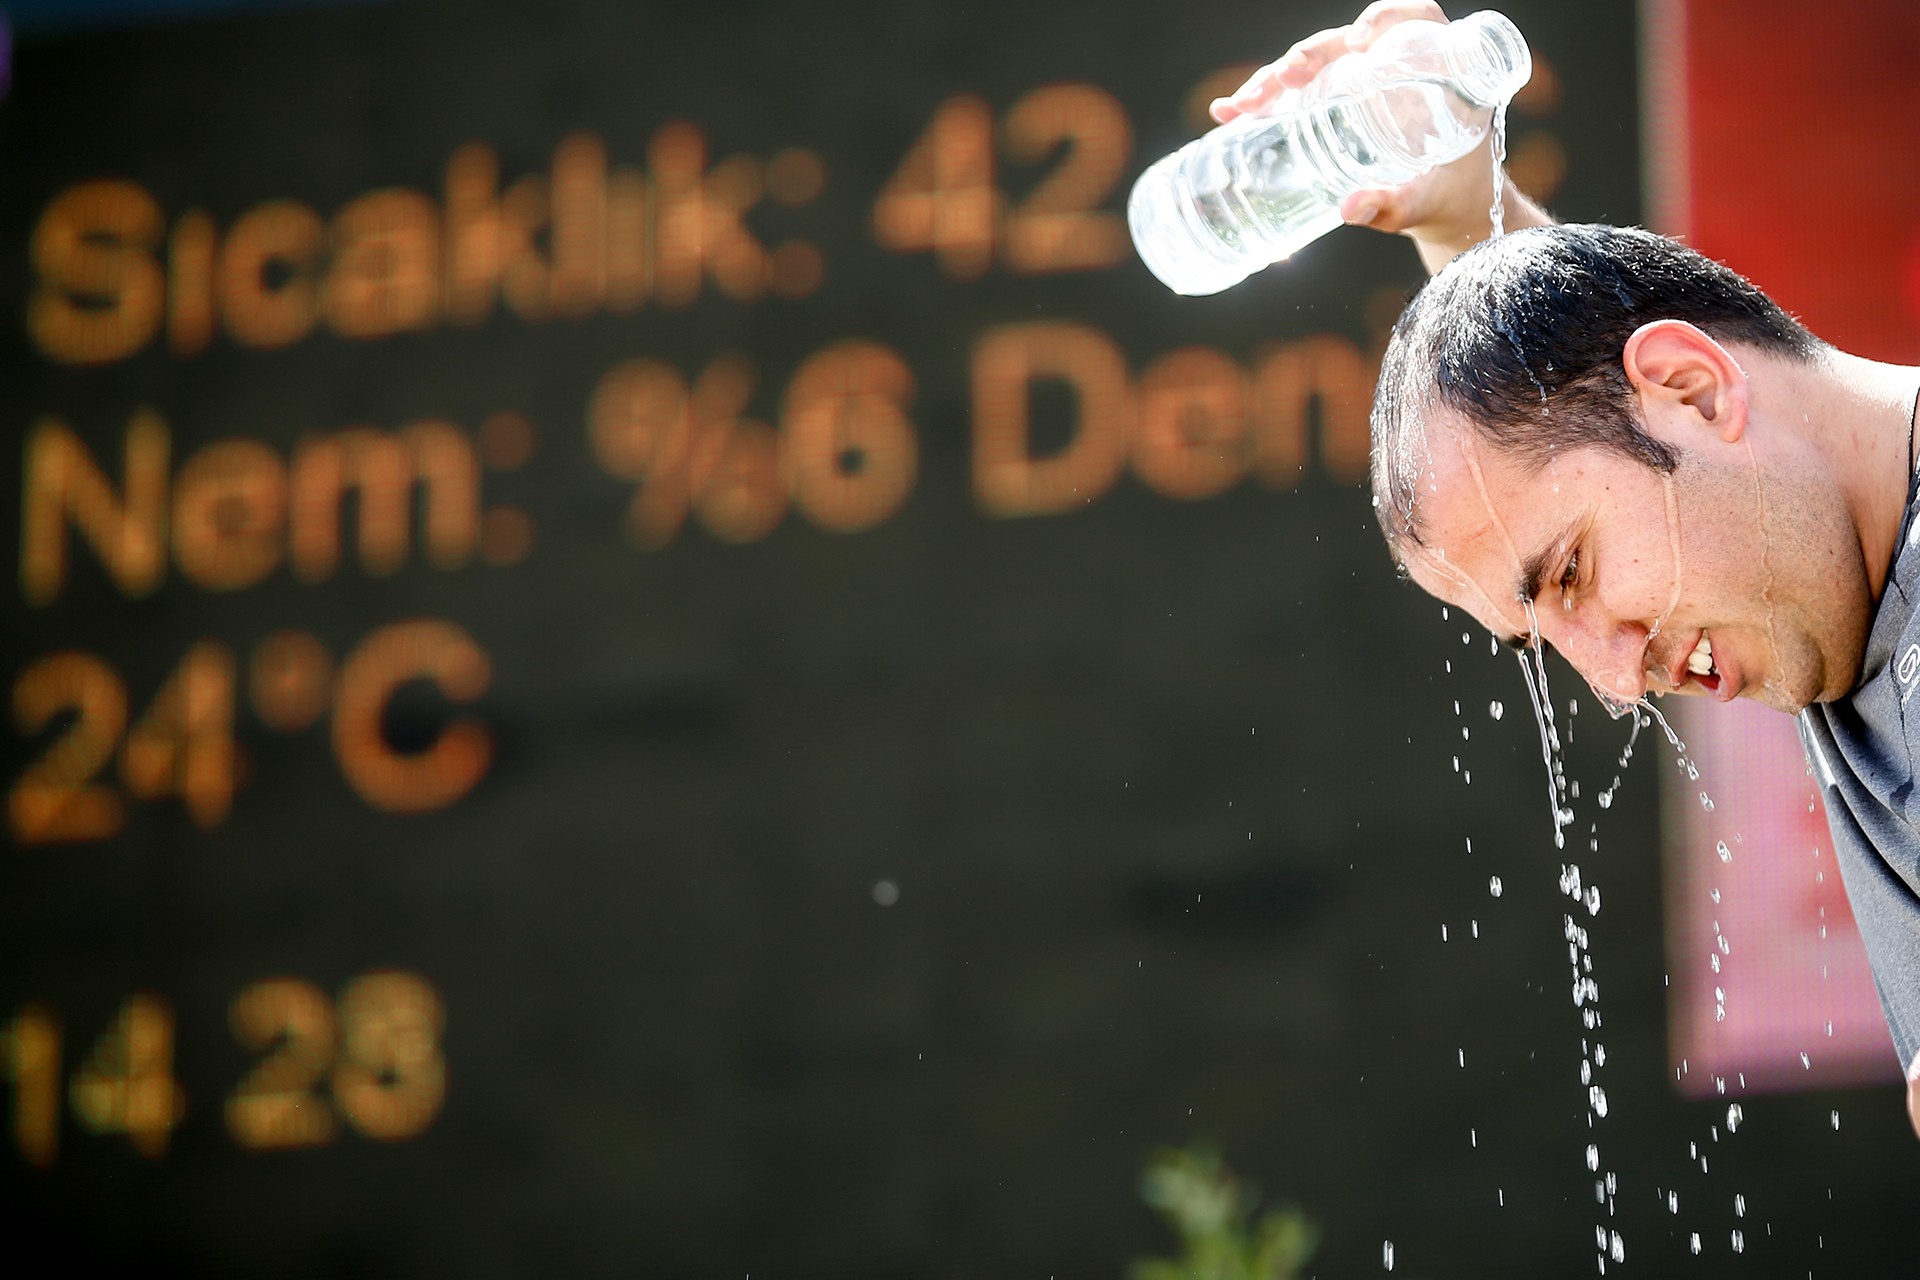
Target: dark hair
{"type": "Point", "coordinates": [1522, 336]}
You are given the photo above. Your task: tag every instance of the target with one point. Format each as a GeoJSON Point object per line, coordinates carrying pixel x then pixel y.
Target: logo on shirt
{"type": "Point", "coordinates": [1908, 668]}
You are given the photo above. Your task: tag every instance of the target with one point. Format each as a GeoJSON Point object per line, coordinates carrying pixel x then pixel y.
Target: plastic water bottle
{"type": "Point", "coordinates": [1259, 188]}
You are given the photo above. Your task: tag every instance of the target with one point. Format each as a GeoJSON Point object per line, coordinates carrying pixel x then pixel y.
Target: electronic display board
{"type": "Point", "coordinates": [639, 645]}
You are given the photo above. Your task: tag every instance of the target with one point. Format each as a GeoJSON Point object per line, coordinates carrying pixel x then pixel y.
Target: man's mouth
{"type": "Point", "coordinates": [1701, 667]}
{"type": "Point", "coordinates": [1700, 661]}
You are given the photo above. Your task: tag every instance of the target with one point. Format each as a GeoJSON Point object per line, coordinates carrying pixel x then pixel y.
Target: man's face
{"type": "Point", "coordinates": [1724, 579]}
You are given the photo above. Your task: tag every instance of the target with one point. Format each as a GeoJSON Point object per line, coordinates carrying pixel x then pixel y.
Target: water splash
{"type": "Point", "coordinates": [1585, 990]}
{"type": "Point", "coordinates": [1533, 668]}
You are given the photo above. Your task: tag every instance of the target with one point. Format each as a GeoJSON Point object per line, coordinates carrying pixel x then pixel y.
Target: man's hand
{"type": "Point", "coordinates": [1445, 212]}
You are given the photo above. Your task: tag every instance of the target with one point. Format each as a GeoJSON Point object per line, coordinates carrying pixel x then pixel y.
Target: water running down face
{"type": "Point", "coordinates": [1647, 582]}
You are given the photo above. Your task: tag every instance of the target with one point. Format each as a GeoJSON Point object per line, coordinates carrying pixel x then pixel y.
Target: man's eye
{"type": "Point", "coordinates": [1569, 578]}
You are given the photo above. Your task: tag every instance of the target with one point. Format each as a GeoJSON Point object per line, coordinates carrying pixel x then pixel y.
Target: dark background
{"type": "Point", "coordinates": [1165, 788]}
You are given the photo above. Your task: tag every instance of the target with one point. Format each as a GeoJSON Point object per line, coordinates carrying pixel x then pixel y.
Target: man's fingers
{"type": "Point", "coordinates": [1260, 88]}
{"type": "Point", "coordinates": [1290, 70]}
{"type": "Point", "coordinates": [1381, 14]}
{"type": "Point", "coordinates": [1309, 57]}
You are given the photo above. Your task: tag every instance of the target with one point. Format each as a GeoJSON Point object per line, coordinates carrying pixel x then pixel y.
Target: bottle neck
{"type": "Point", "coordinates": [1487, 58]}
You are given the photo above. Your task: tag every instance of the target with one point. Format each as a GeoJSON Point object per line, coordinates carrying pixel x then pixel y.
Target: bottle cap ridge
{"type": "Point", "coordinates": [1488, 58]}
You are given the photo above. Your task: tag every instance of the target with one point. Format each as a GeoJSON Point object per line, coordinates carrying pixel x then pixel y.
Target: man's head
{"type": "Point", "coordinates": [1561, 445]}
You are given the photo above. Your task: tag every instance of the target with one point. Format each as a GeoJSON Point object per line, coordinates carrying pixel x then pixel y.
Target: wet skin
{"type": "Point", "coordinates": [1627, 568]}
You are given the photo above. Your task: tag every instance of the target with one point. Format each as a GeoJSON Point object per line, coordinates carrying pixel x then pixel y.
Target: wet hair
{"type": "Point", "coordinates": [1523, 336]}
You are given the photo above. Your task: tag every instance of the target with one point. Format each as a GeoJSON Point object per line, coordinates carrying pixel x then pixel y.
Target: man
{"type": "Point", "coordinates": [1596, 439]}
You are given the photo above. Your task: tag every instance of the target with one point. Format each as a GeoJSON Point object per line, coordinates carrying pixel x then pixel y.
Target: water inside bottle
{"type": "Point", "coordinates": [1260, 200]}
{"type": "Point", "coordinates": [1257, 199]}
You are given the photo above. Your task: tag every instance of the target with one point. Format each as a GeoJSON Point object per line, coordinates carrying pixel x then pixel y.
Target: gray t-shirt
{"type": "Point", "coordinates": [1863, 748]}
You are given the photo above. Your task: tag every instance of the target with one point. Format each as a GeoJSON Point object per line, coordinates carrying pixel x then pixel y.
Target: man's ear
{"type": "Point", "coordinates": [1676, 368]}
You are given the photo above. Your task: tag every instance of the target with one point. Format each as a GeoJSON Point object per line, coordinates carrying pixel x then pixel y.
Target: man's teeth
{"type": "Point", "coordinates": [1700, 661]}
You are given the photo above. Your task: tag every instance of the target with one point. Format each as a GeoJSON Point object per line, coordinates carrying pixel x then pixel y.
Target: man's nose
{"type": "Point", "coordinates": [1610, 654]}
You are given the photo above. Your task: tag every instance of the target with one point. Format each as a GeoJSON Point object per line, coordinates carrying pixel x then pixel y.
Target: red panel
{"type": "Point", "coordinates": [1802, 150]}
{"type": "Point", "coordinates": [1805, 155]}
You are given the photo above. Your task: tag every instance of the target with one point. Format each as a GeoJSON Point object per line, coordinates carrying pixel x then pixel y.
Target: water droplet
{"type": "Point", "coordinates": [1597, 1099]}
{"type": "Point", "coordinates": [1673, 1202]}
{"type": "Point", "coordinates": [1739, 1242]}
{"type": "Point", "coordinates": [1386, 1254]}
{"type": "Point", "coordinates": [1739, 1206]}
{"type": "Point", "coordinates": [1493, 886]}
{"type": "Point", "coordinates": [886, 892]}
{"type": "Point", "coordinates": [1693, 1241]}
{"type": "Point", "coordinates": [1706, 802]}
{"type": "Point", "coordinates": [1593, 1156]}
{"type": "Point", "coordinates": [1616, 1247]}
{"type": "Point", "coordinates": [1720, 846]}
{"type": "Point", "coordinates": [1836, 1121]}
{"type": "Point", "coordinates": [1495, 710]}
{"type": "Point", "coordinates": [1734, 1116]}
{"type": "Point", "coordinates": [1593, 899]}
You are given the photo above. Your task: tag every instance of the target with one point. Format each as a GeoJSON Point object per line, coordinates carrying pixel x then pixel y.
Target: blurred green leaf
{"type": "Point", "coordinates": [1213, 1215]}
